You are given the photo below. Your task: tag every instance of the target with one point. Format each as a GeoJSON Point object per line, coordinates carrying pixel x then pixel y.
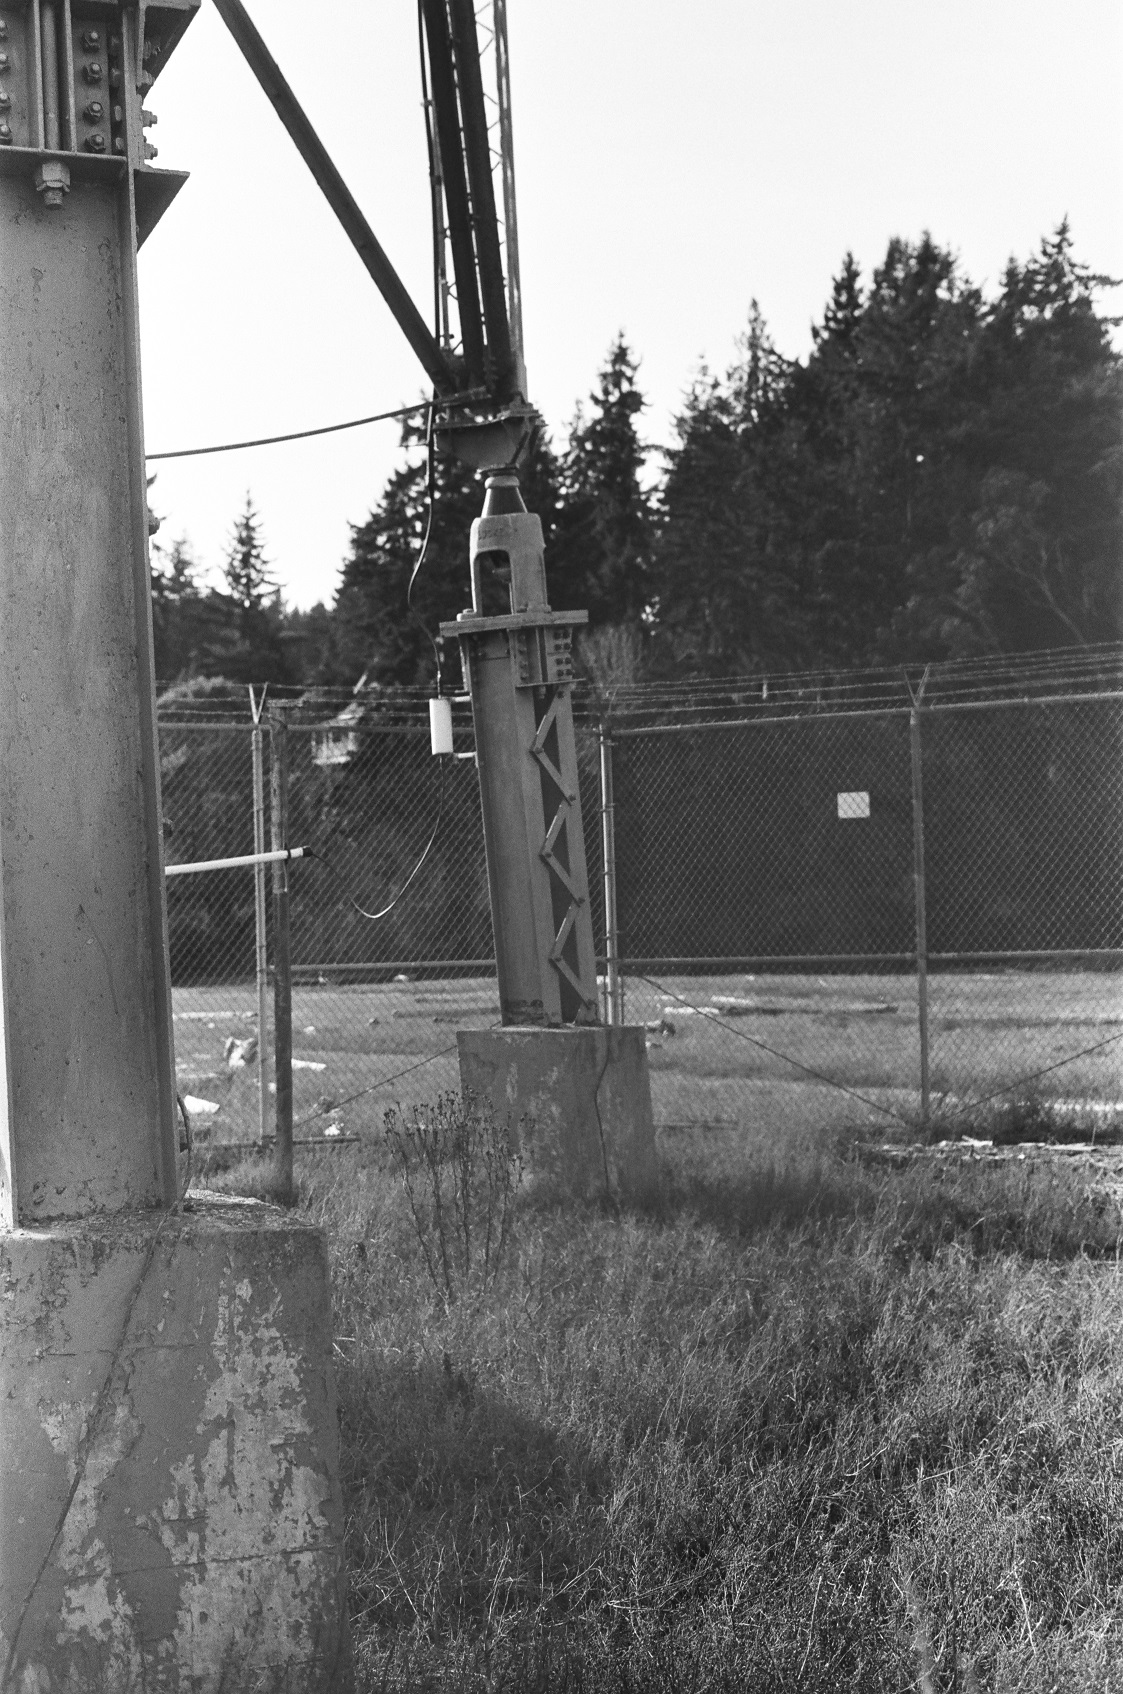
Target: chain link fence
{"type": "Point", "coordinates": [871, 895]}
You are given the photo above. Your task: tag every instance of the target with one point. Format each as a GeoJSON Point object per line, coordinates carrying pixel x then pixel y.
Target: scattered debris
{"type": "Point", "coordinates": [239, 1054]}
{"type": "Point", "coordinates": [308, 1065]}
{"type": "Point", "coordinates": [200, 1108]}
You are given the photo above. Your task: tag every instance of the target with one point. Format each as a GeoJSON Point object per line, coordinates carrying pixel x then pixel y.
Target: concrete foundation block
{"type": "Point", "coordinates": [170, 1509]}
{"type": "Point", "coordinates": [578, 1099]}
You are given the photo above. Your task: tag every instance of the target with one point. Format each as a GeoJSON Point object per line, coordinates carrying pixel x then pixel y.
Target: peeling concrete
{"type": "Point", "coordinates": [579, 1100]}
{"type": "Point", "coordinates": [170, 1515]}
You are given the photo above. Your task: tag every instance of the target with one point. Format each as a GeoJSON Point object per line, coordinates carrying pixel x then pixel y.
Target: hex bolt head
{"type": "Point", "coordinates": [5, 99]}
{"type": "Point", "coordinates": [91, 38]}
{"type": "Point", "coordinates": [3, 29]}
{"type": "Point", "coordinates": [5, 61]}
{"type": "Point", "coordinates": [95, 111]}
{"type": "Point", "coordinates": [5, 135]}
{"type": "Point", "coordinates": [147, 118]}
{"type": "Point", "coordinates": [52, 181]}
{"type": "Point", "coordinates": [95, 143]}
{"type": "Point", "coordinates": [151, 152]}
{"type": "Point", "coordinates": [92, 71]}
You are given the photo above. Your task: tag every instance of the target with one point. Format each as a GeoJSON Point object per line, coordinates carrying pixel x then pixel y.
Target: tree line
{"type": "Point", "coordinates": [940, 477]}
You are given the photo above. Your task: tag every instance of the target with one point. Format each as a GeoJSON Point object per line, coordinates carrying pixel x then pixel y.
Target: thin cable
{"type": "Point", "coordinates": [294, 435]}
{"type": "Point", "coordinates": [967, 1106]}
{"type": "Point", "coordinates": [775, 1051]}
{"type": "Point", "coordinates": [310, 853]}
{"type": "Point", "coordinates": [372, 1087]}
{"type": "Point", "coordinates": [431, 500]}
{"type": "Point", "coordinates": [472, 398]}
{"type": "Point", "coordinates": [1030, 1076]}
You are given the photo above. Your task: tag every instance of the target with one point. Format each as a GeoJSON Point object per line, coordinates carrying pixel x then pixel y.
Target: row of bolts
{"type": "Point", "coordinates": [94, 111]}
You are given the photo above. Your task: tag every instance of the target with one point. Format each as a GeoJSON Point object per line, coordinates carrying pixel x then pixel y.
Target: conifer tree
{"type": "Point", "coordinates": [603, 557]}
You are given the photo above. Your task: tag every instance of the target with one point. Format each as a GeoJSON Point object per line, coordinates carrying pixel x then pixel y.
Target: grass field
{"type": "Point", "coordinates": [384, 1042]}
{"type": "Point", "coordinates": [807, 1426]}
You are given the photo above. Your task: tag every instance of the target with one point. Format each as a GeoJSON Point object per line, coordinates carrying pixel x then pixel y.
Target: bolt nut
{"type": "Point", "coordinates": [5, 61]}
{"type": "Point", "coordinates": [147, 118]}
{"type": "Point", "coordinates": [91, 39]}
{"type": "Point", "coordinates": [151, 152]}
{"type": "Point", "coordinates": [95, 143]}
{"type": "Point", "coordinates": [94, 112]}
{"type": "Point", "coordinates": [5, 99]}
{"type": "Point", "coordinates": [5, 135]}
{"type": "Point", "coordinates": [118, 143]}
{"type": "Point", "coordinates": [52, 181]}
{"type": "Point", "coordinates": [92, 71]}
{"type": "Point", "coordinates": [3, 29]}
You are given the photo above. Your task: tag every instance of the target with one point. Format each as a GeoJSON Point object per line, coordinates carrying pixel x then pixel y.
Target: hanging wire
{"type": "Point", "coordinates": [310, 853]}
{"type": "Point", "coordinates": [468, 399]}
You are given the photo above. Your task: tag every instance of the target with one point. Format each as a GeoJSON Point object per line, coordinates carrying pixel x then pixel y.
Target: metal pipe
{"type": "Point", "coordinates": [510, 209]}
{"type": "Point", "coordinates": [48, 24]}
{"type": "Point", "coordinates": [337, 194]}
{"type": "Point", "coordinates": [615, 995]}
{"type": "Point", "coordinates": [261, 952]}
{"type": "Point", "coordinates": [450, 151]}
{"type": "Point", "coordinates": [477, 149]}
{"type": "Point", "coordinates": [921, 905]}
{"type": "Point", "coordinates": [68, 117]}
{"type": "Point", "coordinates": [238, 861]}
{"type": "Point", "coordinates": [282, 953]}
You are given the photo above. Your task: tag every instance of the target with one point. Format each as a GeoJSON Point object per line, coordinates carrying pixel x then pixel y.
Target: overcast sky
{"type": "Point", "coordinates": [673, 162]}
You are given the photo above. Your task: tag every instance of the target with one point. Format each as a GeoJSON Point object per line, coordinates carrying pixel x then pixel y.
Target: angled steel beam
{"type": "Point", "coordinates": [477, 150]}
{"type": "Point", "coordinates": [451, 147]}
{"type": "Point", "coordinates": [338, 195]}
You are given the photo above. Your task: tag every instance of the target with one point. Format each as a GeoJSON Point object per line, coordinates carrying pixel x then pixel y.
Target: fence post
{"type": "Point", "coordinates": [614, 987]}
{"type": "Point", "coordinates": [921, 910]}
{"type": "Point", "coordinates": [261, 952]}
{"type": "Point", "coordinates": [282, 957]}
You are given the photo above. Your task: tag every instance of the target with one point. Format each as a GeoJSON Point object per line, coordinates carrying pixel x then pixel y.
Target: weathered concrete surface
{"type": "Point", "coordinates": [87, 1121]}
{"type": "Point", "coordinates": [579, 1100]}
{"type": "Point", "coordinates": [170, 1512]}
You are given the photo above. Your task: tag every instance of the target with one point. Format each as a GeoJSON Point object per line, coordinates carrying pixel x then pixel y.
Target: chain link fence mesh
{"type": "Point", "coordinates": [765, 865]}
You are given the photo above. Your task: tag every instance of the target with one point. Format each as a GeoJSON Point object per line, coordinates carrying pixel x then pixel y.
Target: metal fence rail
{"type": "Point", "coordinates": [809, 889]}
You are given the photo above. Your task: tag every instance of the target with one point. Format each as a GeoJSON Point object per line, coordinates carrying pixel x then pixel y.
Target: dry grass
{"type": "Point", "coordinates": [806, 1427]}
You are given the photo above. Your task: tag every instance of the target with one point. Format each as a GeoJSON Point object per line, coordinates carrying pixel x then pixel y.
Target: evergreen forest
{"type": "Point", "coordinates": [940, 477]}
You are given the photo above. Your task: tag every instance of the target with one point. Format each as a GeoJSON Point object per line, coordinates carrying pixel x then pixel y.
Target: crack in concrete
{"type": "Point", "coordinates": [86, 1445]}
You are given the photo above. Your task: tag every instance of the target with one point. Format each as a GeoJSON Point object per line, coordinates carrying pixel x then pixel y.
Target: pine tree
{"type": "Point", "coordinates": [603, 557]}
{"type": "Point", "coordinates": [246, 570]}
{"type": "Point", "coordinates": [241, 628]}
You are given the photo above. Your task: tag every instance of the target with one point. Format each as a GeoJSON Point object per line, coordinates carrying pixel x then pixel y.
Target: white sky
{"type": "Point", "coordinates": [673, 161]}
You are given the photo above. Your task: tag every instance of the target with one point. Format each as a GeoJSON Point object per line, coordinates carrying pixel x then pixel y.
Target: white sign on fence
{"type": "Point", "coordinates": [855, 804]}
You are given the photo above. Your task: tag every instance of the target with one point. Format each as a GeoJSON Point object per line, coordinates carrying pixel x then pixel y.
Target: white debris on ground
{"type": "Point", "coordinates": [239, 1054]}
{"type": "Point", "coordinates": [200, 1108]}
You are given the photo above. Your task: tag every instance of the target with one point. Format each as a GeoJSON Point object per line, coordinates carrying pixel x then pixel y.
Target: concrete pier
{"type": "Point", "coordinates": [170, 1515]}
{"type": "Point", "coordinates": [169, 1494]}
{"type": "Point", "coordinates": [578, 1098]}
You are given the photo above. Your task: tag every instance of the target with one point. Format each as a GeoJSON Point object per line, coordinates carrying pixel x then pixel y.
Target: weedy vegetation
{"type": "Point", "coordinates": [807, 1425]}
